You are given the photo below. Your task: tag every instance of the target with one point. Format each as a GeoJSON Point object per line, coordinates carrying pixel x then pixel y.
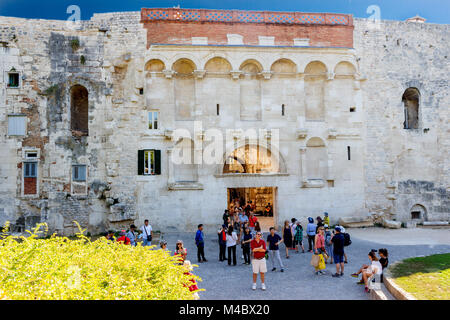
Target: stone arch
{"type": "Point", "coordinates": [316, 159]}
{"type": "Point", "coordinates": [283, 65]}
{"type": "Point", "coordinates": [185, 169]}
{"type": "Point", "coordinates": [345, 68]}
{"type": "Point", "coordinates": [218, 65]}
{"type": "Point", "coordinates": [184, 89]}
{"type": "Point", "coordinates": [411, 102]}
{"type": "Point", "coordinates": [418, 212]}
{"type": "Point", "coordinates": [277, 165]}
{"type": "Point", "coordinates": [184, 66]}
{"type": "Point", "coordinates": [79, 110]}
{"type": "Point", "coordinates": [316, 68]}
{"type": "Point", "coordinates": [155, 65]}
{"type": "Point", "coordinates": [251, 66]}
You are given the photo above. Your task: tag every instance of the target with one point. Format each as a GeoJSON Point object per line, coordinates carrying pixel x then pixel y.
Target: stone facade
{"type": "Point", "coordinates": [336, 101]}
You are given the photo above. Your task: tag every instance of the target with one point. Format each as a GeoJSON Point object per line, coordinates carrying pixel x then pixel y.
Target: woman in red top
{"type": "Point", "coordinates": [123, 238]}
{"type": "Point", "coordinates": [251, 222]}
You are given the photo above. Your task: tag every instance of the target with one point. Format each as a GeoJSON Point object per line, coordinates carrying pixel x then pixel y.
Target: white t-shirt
{"type": "Point", "coordinates": [146, 230]}
{"type": "Point", "coordinates": [376, 265]}
{"type": "Point", "coordinates": [231, 240]}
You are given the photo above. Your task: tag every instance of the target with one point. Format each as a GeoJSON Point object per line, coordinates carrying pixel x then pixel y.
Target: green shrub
{"type": "Point", "coordinates": [63, 269]}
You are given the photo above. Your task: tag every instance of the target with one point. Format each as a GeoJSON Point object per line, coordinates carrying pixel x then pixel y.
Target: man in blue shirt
{"type": "Point", "coordinates": [338, 252]}
{"type": "Point", "coordinates": [132, 235]}
{"type": "Point", "coordinates": [200, 242]}
{"type": "Point", "coordinates": [311, 233]}
{"type": "Point", "coordinates": [274, 240]}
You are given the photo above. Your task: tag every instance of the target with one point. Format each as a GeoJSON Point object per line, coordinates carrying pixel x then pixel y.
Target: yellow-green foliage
{"type": "Point", "coordinates": [60, 268]}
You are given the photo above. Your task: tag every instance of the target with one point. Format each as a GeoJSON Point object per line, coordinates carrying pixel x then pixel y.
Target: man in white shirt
{"type": "Point", "coordinates": [147, 233]}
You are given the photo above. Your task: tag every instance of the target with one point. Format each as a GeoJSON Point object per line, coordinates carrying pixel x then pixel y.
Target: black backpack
{"type": "Point", "coordinates": [347, 240]}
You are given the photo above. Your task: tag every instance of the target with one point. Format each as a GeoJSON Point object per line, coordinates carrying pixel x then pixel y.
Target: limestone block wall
{"type": "Point", "coordinates": [405, 167]}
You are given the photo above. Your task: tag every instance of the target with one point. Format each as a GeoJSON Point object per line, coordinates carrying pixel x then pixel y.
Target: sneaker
{"type": "Point", "coordinates": [360, 282]}
{"type": "Point", "coordinates": [263, 286]}
{"type": "Point", "coordinates": [274, 269]}
{"type": "Point", "coordinates": [366, 290]}
{"type": "Point", "coordinates": [254, 286]}
{"type": "Point", "coordinates": [336, 275]}
{"type": "Point", "coordinates": [317, 273]}
{"type": "Point", "coordinates": [287, 257]}
{"type": "Point", "coordinates": [342, 274]}
{"type": "Point", "coordinates": [282, 270]}
{"type": "Point", "coordinates": [355, 275]}
{"type": "Point", "coordinates": [204, 260]}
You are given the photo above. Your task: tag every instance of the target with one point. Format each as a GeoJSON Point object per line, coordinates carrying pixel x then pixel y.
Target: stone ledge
{"type": "Point", "coordinates": [397, 292]}
{"type": "Point", "coordinates": [355, 222]}
{"type": "Point", "coordinates": [185, 186]}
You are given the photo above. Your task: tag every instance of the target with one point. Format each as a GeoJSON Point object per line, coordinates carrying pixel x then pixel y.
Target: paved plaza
{"type": "Point", "coordinates": [298, 282]}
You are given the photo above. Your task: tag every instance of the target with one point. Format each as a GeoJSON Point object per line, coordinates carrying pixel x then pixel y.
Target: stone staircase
{"type": "Point", "coordinates": [382, 293]}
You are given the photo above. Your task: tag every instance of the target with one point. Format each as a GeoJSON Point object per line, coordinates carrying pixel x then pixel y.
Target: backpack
{"type": "Point", "coordinates": [347, 240]}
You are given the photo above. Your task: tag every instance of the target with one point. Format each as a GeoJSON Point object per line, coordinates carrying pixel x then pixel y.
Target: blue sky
{"type": "Point", "coordinates": [435, 11]}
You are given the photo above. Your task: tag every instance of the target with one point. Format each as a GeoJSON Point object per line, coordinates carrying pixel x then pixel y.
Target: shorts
{"type": "Point", "coordinates": [259, 265]}
{"type": "Point", "coordinates": [338, 258]}
{"type": "Point", "coordinates": [298, 242]}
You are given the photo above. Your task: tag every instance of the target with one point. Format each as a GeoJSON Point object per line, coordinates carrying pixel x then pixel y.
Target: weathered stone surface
{"type": "Point", "coordinates": [391, 224]}
{"type": "Point", "coordinates": [355, 222]}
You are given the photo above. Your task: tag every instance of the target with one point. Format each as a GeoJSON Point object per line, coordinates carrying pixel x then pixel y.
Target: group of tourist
{"type": "Point", "coordinates": [131, 237]}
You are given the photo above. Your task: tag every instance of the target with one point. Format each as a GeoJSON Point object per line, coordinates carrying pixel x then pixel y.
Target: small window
{"type": "Point", "coordinates": [30, 170]}
{"type": "Point", "coordinates": [13, 80]}
{"type": "Point", "coordinates": [282, 110]}
{"type": "Point", "coordinates": [218, 109]}
{"type": "Point", "coordinates": [17, 125]}
{"type": "Point", "coordinates": [352, 109]}
{"type": "Point", "coordinates": [141, 91]}
{"type": "Point", "coordinates": [349, 153]}
{"type": "Point", "coordinates": [79, 173]}
{"type": "Point", "coordinates": [415, 215]}
{"type": "Point", "coordinates": [31, 155]}
{"type": "Point", "coordinates": [153, 120]}
{"type": "Point", "coordinates": [149, 162]}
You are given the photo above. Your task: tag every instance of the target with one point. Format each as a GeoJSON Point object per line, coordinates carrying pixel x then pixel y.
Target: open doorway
{"type": "Point", "coordinates": [263, 202]}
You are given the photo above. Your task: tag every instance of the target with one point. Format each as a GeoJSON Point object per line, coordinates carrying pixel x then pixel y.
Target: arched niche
{"type": "Point", "coordinates": [411, 103]}
{"type": "Point", "coordinates": [155, 65]}
{"type": "Point", "coordinates": [184, 88]}
{"type": "Point", "coordinates": [79, 110]}
{"type": "Point", "coordinates": [250, 91]}
{"type": "Point", "coordinates": [253, 159]}
{"type": "Point", "coordinates": [283, 66]}
{"type": "Point", "coordinates": [315, 77]}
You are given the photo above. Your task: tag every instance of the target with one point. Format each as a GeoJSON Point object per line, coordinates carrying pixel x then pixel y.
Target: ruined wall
{"type": "Point", "coordinates": [405, 167]}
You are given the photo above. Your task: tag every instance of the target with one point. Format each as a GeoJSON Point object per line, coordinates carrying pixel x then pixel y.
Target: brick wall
{"type": "Point", "coordinates": [165, 29]}
{"type": "Point", "coordinates": [29, 186]}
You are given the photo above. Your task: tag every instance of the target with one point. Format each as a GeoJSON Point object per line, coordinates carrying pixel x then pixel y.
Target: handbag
{"type": "Point", "coordinates": [315, 260]}
{"type": "Point", "coordinates": [149, 237]}
{"type": "Point", "coordinates": [321, 264]}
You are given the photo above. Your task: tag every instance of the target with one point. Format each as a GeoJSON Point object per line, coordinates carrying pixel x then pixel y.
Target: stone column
{"type": "Point", "coordinates": [170, 169]}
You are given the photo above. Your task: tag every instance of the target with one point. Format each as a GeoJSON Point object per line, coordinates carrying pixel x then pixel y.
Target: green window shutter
{"type": "Point", "coordinates": [140, 162]}
{"type": "Point", "coordinates": [157, 162]}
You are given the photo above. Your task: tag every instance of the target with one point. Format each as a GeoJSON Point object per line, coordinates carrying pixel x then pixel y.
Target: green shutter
{"type": "Point", "coordinates": [157, 162]}
{"type": "Point", "coordinates": [140, 162]}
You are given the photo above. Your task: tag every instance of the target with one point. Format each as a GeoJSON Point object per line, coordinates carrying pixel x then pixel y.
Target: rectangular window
{"type": "Point", "coordinates": [13, 80]}
{"type": "Point", "coordinates": [17, 125]}
{"type": "Point", "coordinates": [218, 109]}
{"type": "Point", "coordinates": [30, 169]}
{"type": "Point", "coordinates": [348, 153]}
{"type": "Point", "coordinates": [352, 109]}
{"type": "Point", "coordinates": [282, 110]}
{"type": "Point", "coordinates": [79, 173]}
{"type": "Point", "coordinates": [149, 162]}
{"type": "Point", "coordinates": [153, 120]}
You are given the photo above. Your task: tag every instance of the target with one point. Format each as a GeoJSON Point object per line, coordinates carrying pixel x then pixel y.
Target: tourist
{"type": "Point", "coordinates": [222, 234]}
{"type": "Point", "coordinates": [123, 238]}
{"type": "Point", "coordinates": [319, 246]}
{"type": "Point", "coordinates": [251, 222]}
{"type": "Point", "coordinates": [245, 244]}
{"type": "Point", "coordinates": [298, 237]}
{"type": "Point", "coordinates": [274, 241]}
{"type": "Point", "coordinates": [187, 264]}
{"type": "Point", "coordinates": [328, 244]}
{"type": "Point", "coordinates": [293, 224]}
{"type": "Point", "coordinates": [132, 235]}
{"type": "Point", "coordinates": [343, 233]}
{"type": "Point", "coordinates": [384, 261]}
{"type": "Point", "coordinates": [258, 247]}
{"type": "Point", "coordinates": [269, 210]}
{"type": "Point", "coordinates": [231, 245]}
{"type": "Point", "coordinates": [319, 223]}
{"type": "Point", "coordinates": [248, 207]}
{"type": "Point", "coordinates": [311, 233]}
{"type": "Point", "coordinates": [110, 235]}
{"type": "Point", "coordinates": [147, 233]}
{"type": "Point", "coordinates": [163, 245]}
{"type": "Point", "coordinates": [287, 237]}
{"type": "Point", "coordinates": [243, 220]}
{"type": "Point", "coordinates": [225, 216]}
{"type": "Point", "coordinates": [257, 227]}
{"type": "Point", "coordinates": [200, 242]}
{"type": "Point", "coordinates": [180, 251]}
{"type": "Point", "coordinates": [326, 219]}
{"type": "Point", "coordinates": [375, 267]}
{"type": "Point", "coordinates": [338, 252]}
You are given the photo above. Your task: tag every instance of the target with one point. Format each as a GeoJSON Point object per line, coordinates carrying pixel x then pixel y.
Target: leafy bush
{"type": "Point", "coordinates": [59, 268]}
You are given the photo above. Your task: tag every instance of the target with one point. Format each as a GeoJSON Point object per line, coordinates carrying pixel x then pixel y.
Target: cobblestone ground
{"type": "Point", "coordinates": [298, 282]}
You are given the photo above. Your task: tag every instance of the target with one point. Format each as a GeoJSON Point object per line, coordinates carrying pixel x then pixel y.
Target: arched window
{"type": "Point", "coordinates": [411, 100]}
{"type": "Point", "coordinates": [250, 89]}
{"type": "Point", "coordinates": [315, 77]}
{"type": "Point", "coordinates": [184, 89]}
{"type": "Point", "coordinates": [251, 159]}
{"type": "Point", "coordinates": [79, 99]}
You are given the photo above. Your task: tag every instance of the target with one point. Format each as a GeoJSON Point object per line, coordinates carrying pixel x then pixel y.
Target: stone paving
{"type": "Point", "coordinates": [298, 282]}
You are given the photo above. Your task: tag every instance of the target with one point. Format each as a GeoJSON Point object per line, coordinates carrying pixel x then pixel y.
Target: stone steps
{"type": "Point", "coordinates": [382, 293]}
